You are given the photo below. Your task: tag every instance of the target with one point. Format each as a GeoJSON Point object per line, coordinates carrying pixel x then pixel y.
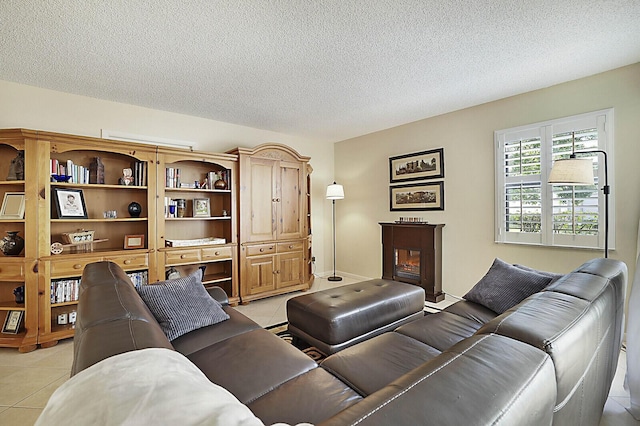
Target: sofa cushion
{"type": "Point", "coordinates": [371, 365]}
{"type": "Point", "coordinates": [505, 285]}
{"type": "Point", "coordinates": [182, 305]}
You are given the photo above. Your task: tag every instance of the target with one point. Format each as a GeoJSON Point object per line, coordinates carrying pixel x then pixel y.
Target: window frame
{"type": "Point", "coordinates": [602, 120]}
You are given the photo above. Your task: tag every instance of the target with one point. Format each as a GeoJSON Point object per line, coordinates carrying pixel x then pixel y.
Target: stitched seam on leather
{"type": "Point", "coordinates": [422, 379]}
{"type": "Point", "coordinates": [580, 382]}
{"type": "Point", "coordinates": [272, 388]}
{"type": "Point", "coordinates": [521, 391]}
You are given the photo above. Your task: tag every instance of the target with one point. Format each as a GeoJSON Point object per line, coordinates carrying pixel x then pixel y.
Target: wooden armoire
{"type": "Point", "coordinates": [274, 218]}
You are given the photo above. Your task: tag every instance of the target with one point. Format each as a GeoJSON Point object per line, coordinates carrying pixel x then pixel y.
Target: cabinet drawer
{"type": "Point", "coordinates": [290, 246]}
{"type": "Point", "coordinates": [128, 262]}
{"type": "Point", "coordinates": [260, 249]}
{"type": "Point", "coordinates": [69, 268]}
{"type": "Point", "coordinates": [13, 271]}
{"type": "Point", "coordinates": [216, 253]}
{"type": "Point", "coordinates": [182, 256]}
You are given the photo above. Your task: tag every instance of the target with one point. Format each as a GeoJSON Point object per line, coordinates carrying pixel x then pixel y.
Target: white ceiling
{"type": "Point", "coordinates": [325, 69]}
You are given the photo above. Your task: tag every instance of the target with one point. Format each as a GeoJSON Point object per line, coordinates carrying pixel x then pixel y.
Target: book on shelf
{"type": "Point", "coordinates": [194, 242]}
{"type": "Point", "coordinates": [65, 290]}
{"type": "Point", "coordinates": [139, 169]}
{"type": "Point", "coordinates": [139, 278]}
{"type": "Point", "coordinates": [172, 177]}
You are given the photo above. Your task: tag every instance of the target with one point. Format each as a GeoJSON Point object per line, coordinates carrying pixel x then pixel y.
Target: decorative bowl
{"type": "Point", "coordinates": [61, 178]}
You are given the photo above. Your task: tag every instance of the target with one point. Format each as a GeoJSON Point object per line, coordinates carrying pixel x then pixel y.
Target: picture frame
{"type": "Point", "coordinates": [12, 322]}
{"type": "Point", "coordinates": [69, 203]}
{"type": "Point", "coordinates": [201, 207]}
{"type": "Point", "coordinates": [134, 241]}
{"type": "Point", "coordinates": [417, 197]}
{"type": "Point", "coordinates": [417, 166]}
{"type": "Point", "coordinates": [12, 206]}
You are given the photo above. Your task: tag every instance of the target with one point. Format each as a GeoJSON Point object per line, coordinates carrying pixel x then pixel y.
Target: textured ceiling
{"type": "Point", "coordinates": [326, 69]}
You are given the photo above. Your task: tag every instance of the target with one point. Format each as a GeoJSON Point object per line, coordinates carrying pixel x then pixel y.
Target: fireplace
{"type": "Point", "coordinates": [407, 263]}
{"type": "Point", "coordinates": [412, 253]}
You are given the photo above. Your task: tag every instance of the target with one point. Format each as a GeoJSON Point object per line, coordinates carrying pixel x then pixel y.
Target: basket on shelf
{"type": "Point", "coordinates": [78, 237]}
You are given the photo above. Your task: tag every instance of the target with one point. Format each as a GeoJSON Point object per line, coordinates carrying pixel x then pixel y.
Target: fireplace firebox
{"type": "Point", "coordinates": [412, 253]}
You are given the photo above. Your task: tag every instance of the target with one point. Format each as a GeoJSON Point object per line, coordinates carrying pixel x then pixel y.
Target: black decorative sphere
{"type": "Point", "coordinates": [134, 209]}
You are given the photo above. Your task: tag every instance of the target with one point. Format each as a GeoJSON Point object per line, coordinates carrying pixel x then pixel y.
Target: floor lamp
{"type": "Point", "coordinates": [334, 192]}
{"type": "Point", "coordinates": [575, 171]}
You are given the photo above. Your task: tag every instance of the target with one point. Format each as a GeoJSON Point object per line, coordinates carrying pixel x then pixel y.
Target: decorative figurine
{"type": "Point", "coordinates": [127, 177]}
{"type": "Point", "coordinates": [16, 170]}
{"type": "Point", "coordinates": [134, 209]}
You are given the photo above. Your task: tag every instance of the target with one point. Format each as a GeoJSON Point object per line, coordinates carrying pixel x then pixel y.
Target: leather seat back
{"type": "Point", "coordinates": [578, 322]}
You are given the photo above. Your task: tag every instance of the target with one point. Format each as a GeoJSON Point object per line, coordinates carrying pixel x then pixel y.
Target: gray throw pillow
{"type": "Point", "coordinates": [505, 285]}
{"type": "Point", "coordinates": [553, 275]}
{"type": "Point", "coordinates": [182, 305]}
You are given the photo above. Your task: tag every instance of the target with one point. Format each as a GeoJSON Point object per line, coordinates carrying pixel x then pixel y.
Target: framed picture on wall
{"type": "Point", "coordinates": [422, 196]}
{"type": "Point", "coordinates": [417, 166]}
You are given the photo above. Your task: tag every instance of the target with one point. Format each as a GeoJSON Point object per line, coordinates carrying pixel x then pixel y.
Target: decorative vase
{"type": "Point", "coordinates": [135, 209]}
{"type": "Point", "coordinates": [12, 244]}
{"type": "Point", "coordinates": [220, 184]}
{"type": "Point", "coordinates": [19, 294]}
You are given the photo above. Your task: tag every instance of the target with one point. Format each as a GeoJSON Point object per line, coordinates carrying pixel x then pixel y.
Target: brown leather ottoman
{"type": "Point", "coordinates": [334, 319]}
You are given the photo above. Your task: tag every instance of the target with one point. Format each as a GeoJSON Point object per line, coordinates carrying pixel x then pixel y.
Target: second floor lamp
{"type": "Point", "coordinates": [334, 192]}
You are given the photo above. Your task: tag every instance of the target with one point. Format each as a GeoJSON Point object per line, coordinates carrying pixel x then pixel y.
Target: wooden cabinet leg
{"type": "Point", "coordinates": [27, 348]}
{"type": "Point", "coordinates": [48, 344]}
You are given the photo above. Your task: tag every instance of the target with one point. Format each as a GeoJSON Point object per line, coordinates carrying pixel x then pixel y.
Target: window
{"type": "Point", "coordinates": [531, 211]}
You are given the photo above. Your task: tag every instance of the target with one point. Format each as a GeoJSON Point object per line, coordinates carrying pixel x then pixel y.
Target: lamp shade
{"type": "Point", "coordinates": [335, 192]}
{"type": "Point", "coordinates": [573, 171]}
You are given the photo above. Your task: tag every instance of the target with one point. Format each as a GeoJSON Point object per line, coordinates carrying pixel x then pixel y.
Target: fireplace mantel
{"type": "Point", "coordinates": [412, 253]}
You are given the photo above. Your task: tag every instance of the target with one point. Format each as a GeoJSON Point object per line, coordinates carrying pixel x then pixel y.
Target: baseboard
{"type": "Point", "coordinates": [327, 274]}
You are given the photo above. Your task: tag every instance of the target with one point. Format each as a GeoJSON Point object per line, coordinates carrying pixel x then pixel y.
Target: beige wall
{"type": "Point", "coordinates": [361, 165]}
{"type": "Point", "coordinates": [41, 109]}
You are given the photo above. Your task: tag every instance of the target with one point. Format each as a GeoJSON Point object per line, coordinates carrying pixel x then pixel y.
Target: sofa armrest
{"type": "Point", "coordinates": [219, 294]}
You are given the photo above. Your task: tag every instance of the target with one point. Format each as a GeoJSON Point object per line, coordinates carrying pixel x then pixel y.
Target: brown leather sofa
{"type": "Point", "coordinates": [550, 359]}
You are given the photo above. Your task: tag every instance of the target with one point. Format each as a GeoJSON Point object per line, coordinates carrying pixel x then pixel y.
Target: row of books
{"type": "Point", "coordinates": [139, 170]}
{"type": "Point", "coordinates": [78, 173]}
{"type": "Point", "coordinates": [66, 290]}
{"type": "Point", "coordinates": [139, 278]}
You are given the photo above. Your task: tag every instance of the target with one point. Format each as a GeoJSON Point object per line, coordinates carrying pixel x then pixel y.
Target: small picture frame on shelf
{"type": "Point", "coordinates": [12, 206]}
{"type": "Point", "coordinates": [201, 207]}
{"type": "Point", "coordinates": [134, 241]}
{"type": "Point", "coordinates": [69, 203]}
{"type": "Point", "coordinates": [12, 322]}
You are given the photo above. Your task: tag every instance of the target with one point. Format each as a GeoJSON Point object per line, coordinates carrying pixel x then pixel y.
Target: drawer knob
{"type": "Point", "coordinates": [217, 253]}
{"type": "Point", "coordinates": [290, 246]}
{"type": "Point", "coordinates": [183, 256]}
{"type": "Point", "coordinates": [261, 250]}
{"type": "Point", "coordinates": [77, 266]}
{"type": "Point", "coordinates": [127, 262]}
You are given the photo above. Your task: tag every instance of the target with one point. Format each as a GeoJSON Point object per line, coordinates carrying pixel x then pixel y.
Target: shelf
{"type": "Point", "coordinates": [96, 185]}
{"type": "Point", "coordinates": [198, 190]}
{"type": "Point", "coordinates": [101, 220]}
{"type": "Point", "coordinates": [11, 182]}
{"type": "Point", "coordinates": [11, 220]}
{"type": "Point", "coordinates": [11, 306]}
{"type": "Point", "coordinates": [59, 304]}
{"type": "Point", "coordinates": [198, 218]}
{"type": "Point", "coordinates": [215, 278]}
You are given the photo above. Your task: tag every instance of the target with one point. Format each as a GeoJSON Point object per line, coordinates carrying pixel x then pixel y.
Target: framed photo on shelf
{"type": "Point", "coordinates": [12, 322]}
{"type": "Point", "coordinates": [421, 196]}
{"type": "Point", "coordinates": [69, 203]}
{"type": "Point", "coordinates": [12, 206]}
{"type": "Point", "coordinates": [417, 166]}
{"type": "Point", "coordinates": [134, 241]}
{"type": "Point", "coordinates": [201, 207]}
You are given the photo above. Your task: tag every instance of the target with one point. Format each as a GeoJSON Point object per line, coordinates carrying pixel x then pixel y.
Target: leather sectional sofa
{"type": "Point", "coordinates": [548, 360]}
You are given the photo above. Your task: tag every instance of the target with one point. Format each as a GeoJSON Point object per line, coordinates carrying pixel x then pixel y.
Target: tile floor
{"type": "Point", "coordinates": [27, 380]}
